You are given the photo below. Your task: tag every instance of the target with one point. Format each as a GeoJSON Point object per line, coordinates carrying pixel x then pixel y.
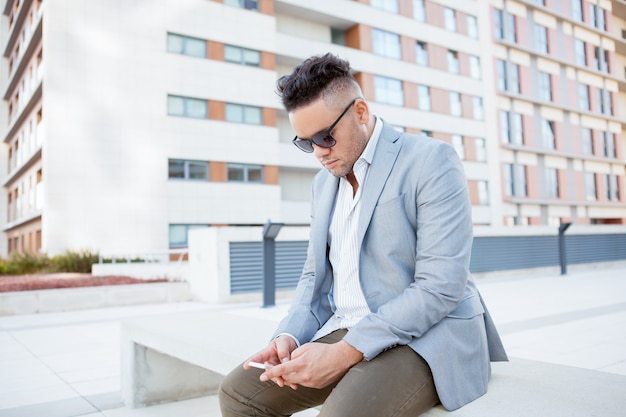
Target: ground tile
{"type": "Point", "coordinates": [70, 407]}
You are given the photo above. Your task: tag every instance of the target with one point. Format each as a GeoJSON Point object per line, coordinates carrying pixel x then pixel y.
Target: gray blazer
{"type": "Point", "coordinates": [415, 236]}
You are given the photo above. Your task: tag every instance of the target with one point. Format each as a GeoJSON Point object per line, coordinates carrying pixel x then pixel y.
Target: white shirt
{"type": "Point", "coordinates": [347, 295]}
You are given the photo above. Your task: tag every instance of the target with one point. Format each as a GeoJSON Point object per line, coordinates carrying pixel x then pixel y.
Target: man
{"type": "Point", "coordinates": [386, 320]}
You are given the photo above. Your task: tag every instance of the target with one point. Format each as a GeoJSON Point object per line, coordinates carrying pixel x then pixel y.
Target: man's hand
{"type": "Point", "coordinates": [315, 365]}
{"type": "Point", "coordinates": [278, 351]}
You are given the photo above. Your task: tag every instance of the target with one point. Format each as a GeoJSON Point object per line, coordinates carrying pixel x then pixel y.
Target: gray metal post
{"type": "Point", "coordinates": [270, 231]}
{"type": "Point", "coordinates": [562, 259]}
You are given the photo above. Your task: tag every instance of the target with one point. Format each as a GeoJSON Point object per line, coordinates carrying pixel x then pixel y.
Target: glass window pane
{"type": "Point", "coordinates": [251, 57]}
{"type": "Point", "coordinates": [450, 19]}
{"type": "Point", "coordinates": [419, 11]}
{"type": "Point", "coordinates": [235, 172]}
{"type": "Point", "coordinates": [234, 113]}
{"type": "Point", "coordinates": [455, 104]}
{"type": "Point", "coordinates": [176, 168]}
{"type": "Point", "coordinates": [255, 173]}
{"type": "Point", "coordinates": [198, 170]}
{"type": "Point", "coordinates": [388, 90]}
{"type": "Point", "coordinates": [422, 54]}
{"type": "Point", "coordinates": [423, 96]}
{"type": "Point", "coordinates": [472, 26]}
{"type": "Point", "coordinates": [174, 43]}
{"type": "Point", "coordinates": [175, 106]}
{"type": "Point", "coordinates": [253, 115]}
{"type": "Point", "coordinates": [196, 108]}
{"type": "Point", "coordinates": [178, 235]}
{"type": "Point", "coordinates": [195, 47]}
{"type": "Point", "coordinates": [233, 54]}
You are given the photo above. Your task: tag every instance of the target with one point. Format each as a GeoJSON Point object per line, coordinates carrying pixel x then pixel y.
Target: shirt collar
{"type": "Point", "coordinates": [368, 152]}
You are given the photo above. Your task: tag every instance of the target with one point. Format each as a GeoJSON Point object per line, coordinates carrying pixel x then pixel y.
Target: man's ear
{"type": "Point", "coordinates": [363, 111]}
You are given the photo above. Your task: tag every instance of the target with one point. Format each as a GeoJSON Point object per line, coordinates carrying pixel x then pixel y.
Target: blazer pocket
{"type": "Point", "coordinates": [469, 307]}
{"type": "Point", "coordinates": [390, 223]}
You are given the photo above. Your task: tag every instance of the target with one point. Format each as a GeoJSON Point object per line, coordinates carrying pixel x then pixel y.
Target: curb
{"type": "Point", "coordinates": [69, 299]}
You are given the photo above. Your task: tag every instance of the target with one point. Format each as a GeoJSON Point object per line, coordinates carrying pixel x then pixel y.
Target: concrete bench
{"type": "Point", "coordinates": [184, 356]}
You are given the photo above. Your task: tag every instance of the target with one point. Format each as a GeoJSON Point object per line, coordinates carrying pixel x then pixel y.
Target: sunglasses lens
{"type": "Point", "coordinates": [304, 145]}
{"type": "Point", "coordinates": [324, 140]}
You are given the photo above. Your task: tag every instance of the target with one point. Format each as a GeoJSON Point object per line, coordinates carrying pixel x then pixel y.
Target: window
{"type": "Point", "coordinates": [386, 5]}
{"type": "Point", "coordinates": [475, 71]}
{"type": "Point", "coordinates": [423, 97]}
{"type": "Point", "coordinates": [187, 107]}
{"type": "Point", "coordinates": [498, 27]}
{"type": "Point", "coordinates": [386, 44]}
{"type": "Point", "coordinates": [242, 56]}
{"type": "Point", "coordinates": [613, 188]}
{"type": "Point", "coordinates": [243, 4]}
{"type": "Point", "coordinates": [419, 10]}
{"type": "Point", "coordinates": [514, 84]}
{"type": "Point", "coordinates": [338, 36]}
{"type": "Point", "coordinates": [515, 180]}
{"type": "Point", "coordinates": [552, 182]}
{"type": "Point", "coordinates": [185, 45]}
{"type": "Point", "coordinates": [503, 78]}
{"type": "Point", "coordinates": [590, 186]}
{"type": "Point", "coordinates": [453, 62]}
{"type": "Point", "coordinates": [608, 144]}
{"type": "Point", "coordinates": [450, 19]}
{"type": "Point", "coordinates": [472, 26]}
{"type": "Point", "coordinates": [541, 38]}
{"type": "Point", "coordinates": [583, 97]}
{"type": "Point", "coordinates": [455, 104]}
{"type": "Point", "coordinates": [388, 90]}
{"type": "Point", "coordinates": [596, 57]}
{"type": "Point", "coordinates": [604, 101]}
{"type": "Point", "coordinates": [483, 193]}
{"type": "Point", "coordinates": [238, 113]}
{"type": "Point", "coordinates": [508, 76]}
{"type": "Point", "coordinates": [547, 134]}
{"type": "Point", "coordinates": [511, 27]}
{"type": "Point", "coordinates": [581, 55]}
{"type": "Point", "coordinates": [459, 147]}
{"type": "Point", "coordinates": [586, 137]}
{"type": "Point", "coordinates": [480, 149]}
{"type": "Point", "coordinates": [511, 128]}
{"type": "Point", "coordinates": [188, 170]}
{"type": "Point", "coordinates": [601, 59]}
{"type": "Point", "coordinates": [597, 16]}
{"type": "Point", "coordinates": [577, 10]}
{"type": "Point", "coordinates": [545, 86]}
{"type": "Point", "coordinates": [245, 173]}
{"type": "Point", "coordinates": [179, 234]}
{"type": "Point", "coordinates": [421, 53]}
{"type": "Point", "coordinates": [479, 111]}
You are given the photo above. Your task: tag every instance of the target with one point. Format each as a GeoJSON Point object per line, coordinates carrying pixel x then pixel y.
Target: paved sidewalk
{"type": "Point", "coordinates": [68, 364]}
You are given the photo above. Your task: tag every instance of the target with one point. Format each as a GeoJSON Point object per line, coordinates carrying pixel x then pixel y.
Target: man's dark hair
{"type": "Point", "coordinates": [315, 77]}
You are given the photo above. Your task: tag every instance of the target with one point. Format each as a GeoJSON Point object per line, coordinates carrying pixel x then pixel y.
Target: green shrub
{"type": "Point", "coordinates": [23, 263]}
{"type": "Point", "coordinates": [26, 263]}
{"type": "Point", "coordinates": [72, 261]}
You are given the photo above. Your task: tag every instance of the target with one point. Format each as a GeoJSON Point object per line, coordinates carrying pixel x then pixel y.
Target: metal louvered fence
{"type": "Point", "coordinates": [489, 253]}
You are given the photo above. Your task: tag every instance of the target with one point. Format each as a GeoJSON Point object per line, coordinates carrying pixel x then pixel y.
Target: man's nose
{"type": "Point", "coordinates": [319, 151]}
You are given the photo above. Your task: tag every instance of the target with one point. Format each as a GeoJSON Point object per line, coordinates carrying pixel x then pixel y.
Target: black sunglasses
{"type": "Point", "coordinates": [323, 139]}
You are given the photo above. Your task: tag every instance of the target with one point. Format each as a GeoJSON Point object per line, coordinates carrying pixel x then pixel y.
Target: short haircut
{"type": "Point", "coordinates": [325, 76]}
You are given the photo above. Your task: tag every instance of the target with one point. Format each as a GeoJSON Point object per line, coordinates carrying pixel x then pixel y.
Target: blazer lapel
{"type": "Point", "coordinates": [387, 150]}
{"type": "Point", "coordinates": [323, 211]}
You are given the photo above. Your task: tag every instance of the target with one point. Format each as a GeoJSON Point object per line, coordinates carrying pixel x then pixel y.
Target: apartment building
{"type": "Point", "coordinates": [126, 124]}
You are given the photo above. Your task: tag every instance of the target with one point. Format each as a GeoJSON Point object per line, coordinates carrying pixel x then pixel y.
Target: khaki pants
{"type": "Point", "coordinates": [397, 383]}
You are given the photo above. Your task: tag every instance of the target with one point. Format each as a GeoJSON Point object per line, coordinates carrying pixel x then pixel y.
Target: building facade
{"type": "Point", "coordinates": [126, 124]}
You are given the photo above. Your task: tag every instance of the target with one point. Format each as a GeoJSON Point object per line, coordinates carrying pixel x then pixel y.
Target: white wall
{"type": "Point", "coordinates": [108, 134]}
